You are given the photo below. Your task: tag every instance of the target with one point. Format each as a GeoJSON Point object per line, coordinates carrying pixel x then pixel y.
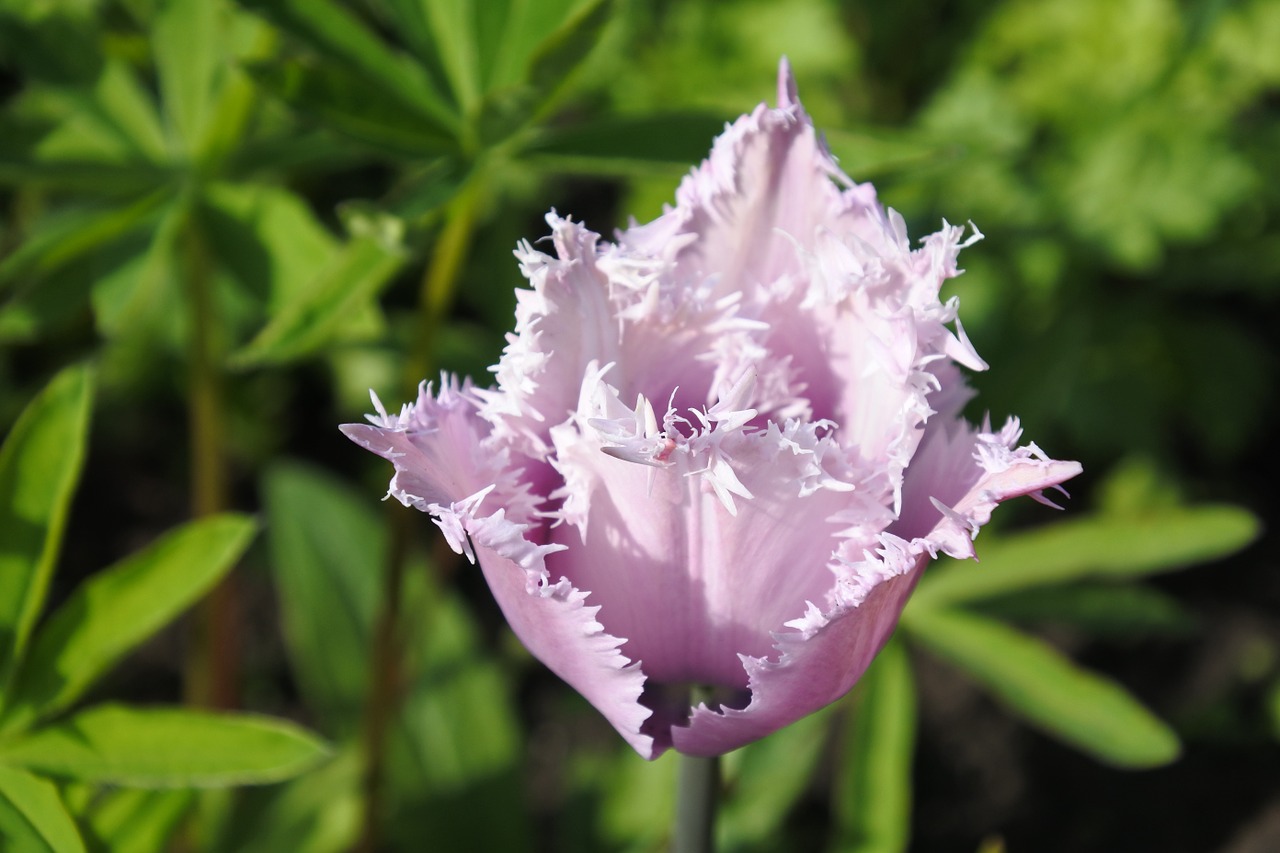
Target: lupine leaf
{"type": "Point", "coordinates": [336, 32]}
{"type": "Point", "coordinates": [1082, 708]}
{"type": "Point", "coordinates": [125, 820]}
{"type": "Point", "coordinates": [1100, 609]}
{"type": "Point", "coordinates": [33, 818]}
{"type": "Point", "coordinates": [166, 748]}
{"type": "Point", "coordinates": [619, 144]}
{"type": "Point", "coordinates": [357, 275]}
{"type": "Point", "coordinates": [556, 57]}
{"type": "Point", "coordinates": [354, 106]}
{"type": "Point", "coordinates": [186, 43]}
{"type": "Point", "coordinates": [39, 467]}
{"type": "Point", "coordinates": [328, 552]}
{"type": "Point", "coordinates": [1101, 546]}
{"type": "Point", "coordinates": [60, 239]}
{"type": "Point", "coordinates": [872, 796]}
{"type": "Point", "coordinates": [120, 607]}
{"type": "Point", "coordinates": [766, 778]}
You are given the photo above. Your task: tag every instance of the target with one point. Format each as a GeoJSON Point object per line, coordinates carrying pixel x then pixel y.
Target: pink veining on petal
{"type": "Point", "coordinates": [721, 449]}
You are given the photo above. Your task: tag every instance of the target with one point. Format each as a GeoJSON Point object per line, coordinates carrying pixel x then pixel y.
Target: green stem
{"type": "Point", "coordinates": [213, 663]}
{"type": "Point", "coordinates": [697, 790]}
{"type": "Point", "coordinates": [435, 297]}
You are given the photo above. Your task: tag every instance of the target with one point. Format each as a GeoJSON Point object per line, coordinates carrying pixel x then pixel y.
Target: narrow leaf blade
{"type": "Point", "coordinates": [872, 796]}
{"type": "Point", "coordinates": [33, 817]}
{"type": "Point", "coordinates": [1081, 708]}
{"type": "Point", "coordinates": [119, 608]}
{"type": "Point", "coordinates": [1100, 546]}
{"type": "Point", "coordinates": [166, 748]}
{"type": "Point", "coordinates": [39, 467]}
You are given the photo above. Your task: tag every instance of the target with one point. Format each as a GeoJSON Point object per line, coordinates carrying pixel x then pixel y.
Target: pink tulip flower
{"type": "Point", "coordinates": [722, 449]}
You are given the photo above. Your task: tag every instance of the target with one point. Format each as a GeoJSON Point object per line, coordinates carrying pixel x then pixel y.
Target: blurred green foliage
{"type": "Point", "coordinates": [296, 200]}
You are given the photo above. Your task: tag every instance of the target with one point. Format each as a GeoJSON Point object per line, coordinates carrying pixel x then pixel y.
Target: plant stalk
{"type": "Point", "coordinates": [697, 793]}
{"type": "Point", "coordinates": [213, 663]}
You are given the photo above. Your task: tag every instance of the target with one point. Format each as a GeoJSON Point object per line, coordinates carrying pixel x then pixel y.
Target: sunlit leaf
{"type": "Point", "coordinates": [1082, 708]}
{"type": "Point", "coordinates": [361, 270]}
{"type": "Point", "coordinates": [120, 607]}
{"type": "Point", "coordinates": [1162, 540]}
{"type": "Point", "coordinates": [39, 467]}
{"type": "Point", "coordinates": [124, 820]}
{"type": "Point", "coordinates": [186, 40]}
{"type": "Point", "coordinates": [33, 818]}
{"type": "Point", "coordinates": [163, 748]}
{"type": "Point", "coordinates": [872, 796]}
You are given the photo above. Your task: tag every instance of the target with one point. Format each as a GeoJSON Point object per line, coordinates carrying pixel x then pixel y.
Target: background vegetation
{"type": "Point", "coordinates": [222, 223]}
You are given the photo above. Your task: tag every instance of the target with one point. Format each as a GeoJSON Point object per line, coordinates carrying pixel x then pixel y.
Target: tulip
{"type": "Point", "coordinates": [721, 450]}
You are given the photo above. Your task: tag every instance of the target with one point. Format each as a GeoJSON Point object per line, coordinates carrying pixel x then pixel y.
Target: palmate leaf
{"type": "Point", "coordinates": [165, 748]}
{"type": "Point", "coordinates": [355, 106]}
{"type": "Point", "coordinates": [358, 273]}
{"type": "Point", "coordinates": [872, 796]}
{"type": "Point", "coordinates": [338, 34]}
{"type": "Point", "coordinates": [117, 609]}
{"type": "Point", "coordinates": [187, 43]}
{"type": "Point", "coordinates": [33, 818]}
{"type": "Point", "coordinates": [39, 467]}
{"type": "Point", "coordinates": [1082, 708]}
{"type": "Point", "coordinates": [624, 145]}
{"type": "Point", "coordinates": [1115, 546]}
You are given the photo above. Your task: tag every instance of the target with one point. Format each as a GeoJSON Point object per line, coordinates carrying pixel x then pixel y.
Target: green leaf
{"type": "Point", "coordinates": [88, 177]}
{"type": "Point", "coordinates": [339, 34]}
{"type": "Point", "coordinates": [61, 238]}
{"type": "Point", "coordinates": [122, 101]}
{"type": "Point", "coordinates": [166, 748]}
{"type": "Point", "coordinates": [318, 813]}
{"type": "Point", "coordinates": [115, 610]}
{"type": "Point", "coordinates": [33, 818]}
{"type": "Point", "coordinates": [1100, 546]}
{"type": "Point", "coordinates": [303, 326]}
{"type": "Point", "coordinates": [353, 105]}
{"type": "Point", "coordinates": [125, 820]}
{"type": "Point", "coordinates": [563, 51]}
{"type": "Point", "coordinates": [143, 297]}
{"type": "Point", "coordinates": [1081, 708]}
{"type": "Point", "coordinates": [871, 800]}
{"type": "Point", "coordinates": [1100, 609]}
{"type": "Point", "coordinates": [328, 554]}
{"type": "Point", "coordinates": [185, 40]}
{"type": "Point", "coordinates": [765, 779]}
{"type": "Point", "coordinates": [456, 42]}
{"type": "Point", "coordinates": [39, 468]}
{"type": "Point", "coordinates": [621, 144]}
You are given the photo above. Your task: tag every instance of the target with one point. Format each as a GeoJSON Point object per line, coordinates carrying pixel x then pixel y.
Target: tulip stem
{"type": "Point", "coordinates": [696, 795]}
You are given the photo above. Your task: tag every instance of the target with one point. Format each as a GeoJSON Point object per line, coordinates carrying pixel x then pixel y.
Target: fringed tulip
{"type": "Point", "coordinates": [721, 449]}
